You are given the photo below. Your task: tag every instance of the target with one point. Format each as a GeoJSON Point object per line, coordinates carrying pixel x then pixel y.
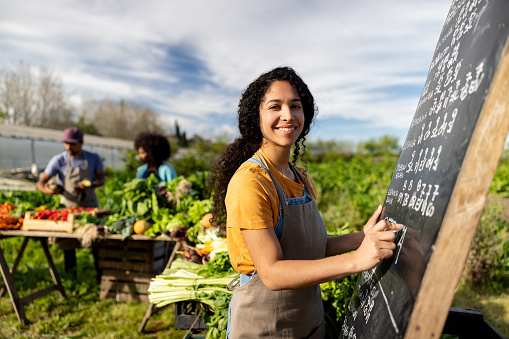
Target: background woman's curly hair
{"type": "Point", "coordinates": [251, 137]}
{"type": "Point", "coordinates": [156, 145]}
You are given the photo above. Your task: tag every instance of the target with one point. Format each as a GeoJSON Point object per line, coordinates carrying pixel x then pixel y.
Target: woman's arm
{"type": "Point", "coordinates": [343, 243]}
{"type": "Point", "coordinates": [350, 242]}
{"type": "Point", "coordinates": [278, 274]}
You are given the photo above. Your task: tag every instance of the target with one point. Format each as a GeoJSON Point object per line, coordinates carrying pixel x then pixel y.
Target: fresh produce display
{"type": "Point", "coordinates": [8, 222]}
{"type": "Point", "coordinates": [206, 284]}
{"type": "Point", "coordinates": [29, 201]}
{"type": "Point", "coordinates": [6, 208]}
{"type": "Point", "coordinates": [61, 214]}
{"type": "Point", "coordinates": [174, 209]}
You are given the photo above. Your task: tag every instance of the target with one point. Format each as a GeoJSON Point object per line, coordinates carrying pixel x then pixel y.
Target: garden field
{"type": "Point", "coordinates": [349, 189]}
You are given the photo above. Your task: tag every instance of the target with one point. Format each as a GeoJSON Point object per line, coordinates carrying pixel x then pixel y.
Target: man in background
{"type": "Point", "coordinates": [79, 173]}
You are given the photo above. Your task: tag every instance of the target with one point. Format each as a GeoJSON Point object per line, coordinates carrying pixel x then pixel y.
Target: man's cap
{"type": "Point", "coordinates": [72, 135]}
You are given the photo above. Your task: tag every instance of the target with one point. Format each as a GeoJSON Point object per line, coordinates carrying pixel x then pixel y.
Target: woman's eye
{"type": "Point", "coordinates": [274, 107]}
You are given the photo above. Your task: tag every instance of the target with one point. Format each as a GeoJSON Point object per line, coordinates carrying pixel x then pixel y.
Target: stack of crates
{"type": "Point", "coordinates": [128, 266]}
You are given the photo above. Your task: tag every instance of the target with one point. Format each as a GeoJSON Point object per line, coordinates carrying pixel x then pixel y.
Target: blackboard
{"type": "Point", "coordinates": [442, 177]}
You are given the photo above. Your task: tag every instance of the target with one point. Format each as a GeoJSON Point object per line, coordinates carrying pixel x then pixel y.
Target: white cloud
{"type": "Point", "coordinates": [349, 52]}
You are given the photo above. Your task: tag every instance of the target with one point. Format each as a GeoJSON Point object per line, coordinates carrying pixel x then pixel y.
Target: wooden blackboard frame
{"type": "Point", "coordinates": [464, 211]}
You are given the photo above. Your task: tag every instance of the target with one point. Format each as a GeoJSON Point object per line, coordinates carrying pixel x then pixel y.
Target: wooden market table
{"type": "Point", "coordinates": [42, 236]}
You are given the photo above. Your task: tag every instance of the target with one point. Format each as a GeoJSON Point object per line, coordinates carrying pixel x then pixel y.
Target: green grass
{"type": "Point", "coordinates": [348, 192]}
{"type": "Point", "coordinates": [82, 314]}
{"type": "Point", "coordinates": [493, 305]}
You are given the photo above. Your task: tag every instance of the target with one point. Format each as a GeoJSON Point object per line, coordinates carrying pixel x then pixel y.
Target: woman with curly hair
{"type": "Point", "coordinates": [276, 237]}
{"type": "Point", "coordinates": [153, 149]}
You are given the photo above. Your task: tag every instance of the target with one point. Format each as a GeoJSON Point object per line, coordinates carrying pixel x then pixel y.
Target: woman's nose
{"type": "Point", "coordinates": [286, 113]}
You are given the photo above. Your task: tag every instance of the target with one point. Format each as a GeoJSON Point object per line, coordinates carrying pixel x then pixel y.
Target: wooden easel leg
{"type": "Point", "coordinates": [13, 293]}
{"type": "Point", "coordinates": [52, 268]}
{"type": "Point", "coordinates": [16, 262]}
{"type": "Point", "coordinates": [152, 307]}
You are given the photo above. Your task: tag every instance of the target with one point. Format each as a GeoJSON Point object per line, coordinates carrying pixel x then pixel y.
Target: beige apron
{"type": "Point", "coordinates": [257, 311]}
{"type": "Point", "coordinates": [86, 198]}
{"type": "Point", "coordinates": [73, 175]}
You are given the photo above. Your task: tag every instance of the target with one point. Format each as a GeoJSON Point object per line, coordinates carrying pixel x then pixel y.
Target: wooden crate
{"type": "Point", "coordinates": [52, 225]}
{"type": "Point", "coordinates": [125, 286]}
{"type": "Point", "coordinates": [128, 267]}
{"type": "Point", "coordinates": [135, 256]}
{"type": "Point", "coordinates": [47, 225]}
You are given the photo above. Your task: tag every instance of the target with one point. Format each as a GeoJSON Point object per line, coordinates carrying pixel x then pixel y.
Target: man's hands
{"type": "Point", "coordinates": [46, 187]}
{"type": "Point", "coordinates": [53, 189]}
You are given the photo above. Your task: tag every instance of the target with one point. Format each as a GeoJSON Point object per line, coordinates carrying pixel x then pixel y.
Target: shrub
{"type": "Point", "coordinates": [488, 260]}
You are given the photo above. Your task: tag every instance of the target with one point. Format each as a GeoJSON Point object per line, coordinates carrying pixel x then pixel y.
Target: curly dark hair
{"type": "Point", "coordinates": [156, 145]}
{"type": "Point", "coordinates": [251, 137]}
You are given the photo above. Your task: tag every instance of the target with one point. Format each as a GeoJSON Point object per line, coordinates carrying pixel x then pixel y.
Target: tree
{"type": "Point", "coordinates": [3, 117]}
{"type": "Point", "coordinates": [40, 100]}
{"type": "Point", "coordinates": [17, 95]}
{"type": "Point", "coordinates": [125, 119]}
{"type": "Point", "coordinates": [181, 136]}
{"type": "Point", "coordinates": [385, 145]}
{"type": "Point", "coordinates": [328, 150]}
{"type": "Point", "coordinates": [32, 100]}
{"type": "Point", "coordinates": [52, 106]}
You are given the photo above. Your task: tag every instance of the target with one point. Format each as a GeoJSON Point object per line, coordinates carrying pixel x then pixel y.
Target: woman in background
{"type": "Point", "coordinates": [154, 149]}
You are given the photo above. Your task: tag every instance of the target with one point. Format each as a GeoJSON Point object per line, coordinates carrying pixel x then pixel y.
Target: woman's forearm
{"type": "Point", "coordinates": [343, 243]}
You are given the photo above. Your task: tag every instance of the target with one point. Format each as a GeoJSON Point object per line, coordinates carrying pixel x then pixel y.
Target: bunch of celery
{"type": "Point", "coordinates": [187, 281]}
{"type": "Point", "coordinates": [206, 284]}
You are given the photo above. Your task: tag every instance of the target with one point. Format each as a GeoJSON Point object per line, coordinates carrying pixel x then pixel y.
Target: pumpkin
{"type": "Point", "coordinates": [141, 226]}
{"type": "Point", "coordinates": [205, 221]}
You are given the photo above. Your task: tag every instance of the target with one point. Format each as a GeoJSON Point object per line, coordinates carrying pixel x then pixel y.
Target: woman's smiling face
{"type": "Point", "coordinates": [281, 115]}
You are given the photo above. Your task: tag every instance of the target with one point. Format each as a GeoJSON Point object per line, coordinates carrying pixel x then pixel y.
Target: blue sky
{"type": "Point", "coordinates": [365, 61]}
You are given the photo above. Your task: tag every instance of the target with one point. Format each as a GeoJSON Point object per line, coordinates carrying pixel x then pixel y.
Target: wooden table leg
{"type": "Point", "coordinates": [17, 303]}
{"type": "Point", "coordinates": [152, 307]}
{"type": "Point", "coordinates": [52, 268]}
{"type": "Point", "coordinates": [7, 274]}
{"type": "Point", "coordinates": [16, 262]}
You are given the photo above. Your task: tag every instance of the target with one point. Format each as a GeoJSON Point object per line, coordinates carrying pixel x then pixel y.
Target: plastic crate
{"type": "Point", "coordinates": [187, 318]}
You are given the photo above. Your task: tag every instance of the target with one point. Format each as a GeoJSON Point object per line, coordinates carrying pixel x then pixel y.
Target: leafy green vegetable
{"type": "Point", "coordinates": [188, 281]}
{"type": "Point", "coordinates": [124, 226]}
{"type": "Point", "coordinates": [166, 206]}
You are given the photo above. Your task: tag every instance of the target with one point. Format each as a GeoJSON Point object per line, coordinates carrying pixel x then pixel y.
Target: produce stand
{"type": "Point", "coordinates": [7, 274]}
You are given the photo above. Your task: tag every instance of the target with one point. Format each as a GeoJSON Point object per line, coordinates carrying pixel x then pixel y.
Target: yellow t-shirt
{"type": "Point", "coordinates": [252, 203]}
